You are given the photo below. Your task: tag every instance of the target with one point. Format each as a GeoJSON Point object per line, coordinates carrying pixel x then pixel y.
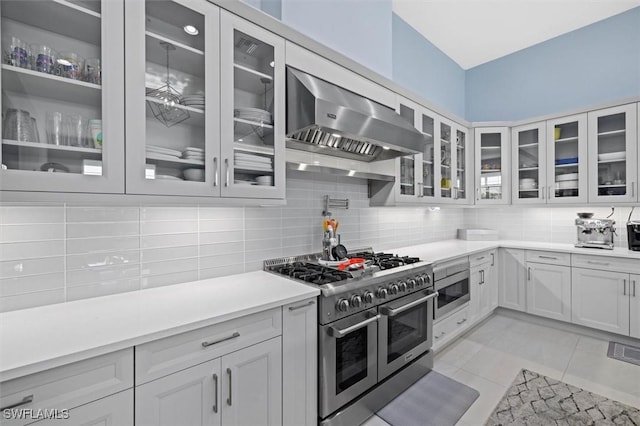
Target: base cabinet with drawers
{"type": "Point", "coordinates": [483, 284]}
{"type": "Point", "coordinates": [114, 410]}
{"type": "Point", "coordinates": [549, 285]}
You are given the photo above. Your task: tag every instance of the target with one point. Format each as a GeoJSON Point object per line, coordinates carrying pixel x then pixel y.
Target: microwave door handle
{"type": "Point", "coordinates": [390, 312]}
{"type": "Point", "coordinates": [341, 332]}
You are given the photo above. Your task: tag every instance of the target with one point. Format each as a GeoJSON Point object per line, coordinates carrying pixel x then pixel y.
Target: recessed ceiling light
{"type": "Point", "coordinates": [191, 30]}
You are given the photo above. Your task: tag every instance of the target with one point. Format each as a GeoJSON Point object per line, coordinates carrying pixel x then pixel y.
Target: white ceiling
{"type": "Point", "coordinates": [472, 32]}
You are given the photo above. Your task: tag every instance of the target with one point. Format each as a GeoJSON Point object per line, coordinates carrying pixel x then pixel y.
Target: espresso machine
{"type": "Point", "coordinates": [595, 233]}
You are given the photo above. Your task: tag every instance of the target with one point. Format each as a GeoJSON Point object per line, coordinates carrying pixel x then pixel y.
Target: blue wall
{"type": "Point", "coordinates": [422, 68]}
{"type": "Point", "coordinates": [359, 29]}
{"type": "Point", "coordinates": [594, 64]}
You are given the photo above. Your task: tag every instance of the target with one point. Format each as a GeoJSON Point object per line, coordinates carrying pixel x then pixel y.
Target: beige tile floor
{"type": "Point", "coordinates": [489, 356]}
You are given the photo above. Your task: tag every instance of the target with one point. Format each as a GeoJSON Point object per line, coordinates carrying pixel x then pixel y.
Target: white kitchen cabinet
{"type": "Point", "coordinates": [613, 146]}
{"type": "Point", "coordinates": [600, 299]}
{"type": "Point", "coordinates": [483, 287]}
{"type": "Point", "coordinates": [512, 281]}
{"type": "Point", "coordinates": [241, 388]}
{"type": "Point", "coordinates": [300, 358]}
{"type": "Point", "coordinates": [634, 307]}
{"type": "Point", "coordinates": [548, 291]}
{"type": "Point", "coordinates": [114, 410]}
{"type": "Point", "coordinates": [448, 329]}
{"type": "Point", "coordinates": [528, 164]}
{"type": "Point", "coordinates": [492, 160]}
{"type": "Point", "coordinates": [48, 106]}
{"type": "Point", "coordinates": [455, 164]}
{"type": "Point", "coordinates": [567, 163]}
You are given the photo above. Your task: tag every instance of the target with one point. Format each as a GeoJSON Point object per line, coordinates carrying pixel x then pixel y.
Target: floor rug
{"type": "Point", "coordinates": [622, 352]}
{"type": "Point", "coordinates": [434, 400]}
{"type": "Point", "coordinates": [534, 399]}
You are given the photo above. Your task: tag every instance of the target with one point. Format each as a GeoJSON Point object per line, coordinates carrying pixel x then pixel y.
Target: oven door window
{"type": "Point", "coordinates": [351, 359]}
{"type": "Point", "coordinates": [453, 292]}
{"type": "Point", "coordinates": [406, 331]}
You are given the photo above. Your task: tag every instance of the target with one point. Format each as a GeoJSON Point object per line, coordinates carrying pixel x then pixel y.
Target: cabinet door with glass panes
{"type": "Point", "coordinates": [172, 50]}
{"type": "Point", "coordinates": [416, 173]}
{"type": "Point", "coordinates": [460, 163]}
{"type": "Point", "coordinates": [612, 154]}
{"type": "Point", "coordinates": [528, 164]}
{"type": "Point", "coordinates": [62, 78]}
{"type": "Point", "coordinates": [252, 114]}
{"type": "Point", "coordinates": [492, 165]}
{"type": "Point", "coordinates": [567, 160]}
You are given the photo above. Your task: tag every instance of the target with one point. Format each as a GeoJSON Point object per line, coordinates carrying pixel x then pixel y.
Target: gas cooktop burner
{"type": "Point", "coordinates": [385, 260]}
{"type": "Point", "coordinates": [310, 272]}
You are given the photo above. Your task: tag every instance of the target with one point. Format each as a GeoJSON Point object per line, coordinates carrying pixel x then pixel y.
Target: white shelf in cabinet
{"type": "Point", "coordinates": [621, 160]}
{"type": "Point", "coordinates": [427, 162]}
{"type": "Point", "coordinates": [196, 116]}
{"type": "Point", "coordinates": [526, 169]}
{"type": "Point", "coordinates": [622, 185]}
{"type": "Point", "coordinates": [490, 147]}
{"type": "Point", "coordinates": [612, 133]}
{"type": "Point", "coordinates": [175, 162]}
{"type": "Point", "coordinates": [406, 184]}
{"type": "Point", "coordinates": [244, 128]}
{"type": "Point", "coordinates": [564, 166]}
{"type": "Point", "coordinates": [445, 141]}
{"type": "Point", "coordinates": [529, 190]}
{"type": "Point", "coordinates": [528, 145]}
{"type": "Point", "coordinates": [34, 83]}
{"type": "Point", "coordinates": [175, 43]}
{"type": "Point", "coordinates": [58, 16]}
{"type": "Point", "coordinates": [427, 186]}
{"type": "Point", "coordinates": [490, 171]}
{"type": "Point", "coordinates": [444, 166]}
{"type": "Point", "coordinates": [564, 140]}
{"type": "Point", "coordinates": [254, 149]}
{"type": "Point", "coordinates": [189, 61]}
{"type": "Point", "coordinates": [429, 135]}
{"type": "Point", "coordinates": [71, 151]}
{"type": "Point", "coordinates": [249, 80]}
{"type": "Point", "coordinates": [247, 170]}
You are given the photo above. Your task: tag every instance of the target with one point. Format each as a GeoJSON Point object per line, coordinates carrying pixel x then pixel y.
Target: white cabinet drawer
{"type": "Point", "coordinates": [606, 263]}
{"type": "Point", "coordinates": [68, 386]}
{"type": "Point", "coordinates": [165, 356]}
{"type": "Point", "coordinates": [451, 326]}
{"type": "Point", "coordinates": [549, 257]}
{"type": "Point", "coordinates": [481, 258]}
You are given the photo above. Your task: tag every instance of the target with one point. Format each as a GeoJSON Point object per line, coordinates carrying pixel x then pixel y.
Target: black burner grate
{"type": "Point", "coordinates": [310, 272]}
{"type": "Point", "coordinates": [385, 260]}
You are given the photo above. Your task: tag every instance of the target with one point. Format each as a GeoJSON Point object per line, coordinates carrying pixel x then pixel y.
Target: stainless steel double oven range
{"type": "Point", "coordinates": [374, 330]}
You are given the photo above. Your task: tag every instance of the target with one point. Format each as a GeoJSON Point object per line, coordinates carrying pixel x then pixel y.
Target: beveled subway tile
{"type": "Point", "coordinates": [261, 255]}
{"type": "Point", "coordinates": [35, 249]}
{"type": "Point", "coordinates": [168, 253]}
{"type": "Point", "coordinates": [263, 234]}
{"type": "Point", "coordinates": [262, 213]}
{"type": "Point", "coordinates": [169, 267]}
{"type": "Point", "coordinates": [31, 214]}
{"type": "Point", "coordinates": [168, 279]}
{"type": "Point", "coordinates": [221, 237]}
{"type": "Point", "coordinates": [251, 224]}
{"type": "Point", "coordinates": [79, 277]}
{"type": "Point", "coordinates": [253, 266]}
{"type": "Point", "coordinates": [230, 224]}
{"type": "Point", "coordinates": [252, 245]}
{"type": "Point", "coordinates": [102, 244]}
{"type": "Point", "coordinates": [96, 260]}
{"type": "Point", "coordinates": [102, 229]}
{"type": "Point", "coordinates": [22, 268]}
{"type": "Point", "coordinates": [31, 300]}
{"type": "Point", "coordinates": [169, 227]}
{"type": "Point", "coordinates": [221, 271]}
{"type": "Point", "coordinates": [31, 284]}
{"type": "Point", "coordinates": [173, 240]}
{"type": "Point", "coordinates": [221, 248]}
{"type": "Point", "coordinates": [102, 289]}
{"type": "Point", "coordinates": [31, 232]}
{"type": "Point", "coordinates": [168, 213]}
{"type": "Point", "coordinates": [221, 260]}
{"type": "Point", "coordinates": [220, 213]}
{"type": "Point", "coordinates": [102, 214]}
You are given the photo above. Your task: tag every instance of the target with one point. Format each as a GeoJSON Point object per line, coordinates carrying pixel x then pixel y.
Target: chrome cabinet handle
{"type": "Point", "coordinates": [480, 258]}
{"type": "Point", "coordinates": [624, 287]}
{"type": "Point", "coordinates": [549, 192]}
{"type": "Point", "coordinates": [295, 308]}
{"type": "Point", "coordinates": [542, 193]}
{"type": "Point", "coordinates": [634, 288]}
{"type": "Point", "coordinates": [633, 189]}
{"type": "Point", "coordinates": [481, 276]}
{"type": "Point", "coordinates": [547, 257]}
{"type": "Point", "coordinates": [529, 273]}
{"type": "Point", "coordinates": [215, 171]}
{"type": "Point", "coordinates": [493, 259]}
{"type": "Point", "coordinates": [338, 332]}
{"type": "Point", "coordinates": [442, 333]}
{"type": "Point", "coordinates": [226, 163]}
{"type": "Point", "coordinates": [390, 312]}
{"type": "Point", "coordinates": [26, 400]}
{"type": "Point", "coordinates": [592, 262]}
{"type": "Point", "coordinates": [230, 389]}
{"type": "Point", "coordinates": [215, 389]}
{"type": "Point", "coordinates": [478, 194]}
{"type": "Point", "coordinates": [224, 339]}
{"type": "Point", "coordinates": [462, 321]}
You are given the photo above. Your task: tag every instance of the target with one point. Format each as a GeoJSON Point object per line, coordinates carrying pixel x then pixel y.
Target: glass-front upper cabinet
{"type": "Point", "coordinates": [460, 162]}
{"type": "Point", "coordinates": [492, 165]}
{"type": "Point", "coordinates": [253, 110]}
{"type": "Point", "coordinates": [417, 173]}
{"type": "Point", "coordinates": [62, 76]}
{"type": "Point", "coordinates": [613, 154]}
{"type": "Point", "coordinates": [172, 101]}
{"type": "Point", "coordinates": [567, 159]}
{"type": "Point", "coordinates": [528, 162]}
{"type": "Point", "coordinates": [447, 161]}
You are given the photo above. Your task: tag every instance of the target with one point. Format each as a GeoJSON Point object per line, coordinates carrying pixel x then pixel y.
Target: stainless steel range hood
{"type": "Point", "coordinates": [327, 119]}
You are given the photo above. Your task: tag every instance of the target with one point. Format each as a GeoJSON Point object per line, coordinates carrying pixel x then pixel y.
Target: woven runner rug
{"type": "Point", "coordinates": [534, 399]}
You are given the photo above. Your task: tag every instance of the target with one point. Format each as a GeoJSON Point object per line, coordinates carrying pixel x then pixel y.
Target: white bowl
{"type": "Point", "coordinates": [566, 177]}
{"type": "Point", "coordinates": [612, 156]}
{"type": "Point", "coordinates": [264, 180]}
{"type": "Point", "coordinates": [194, 174]}
{"type": "Point", "coordinates": [568, 184]}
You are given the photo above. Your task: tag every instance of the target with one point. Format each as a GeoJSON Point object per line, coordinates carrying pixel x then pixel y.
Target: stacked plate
{"type": "Point", "coordinates": [528, 183]}
{"type": "Point", "coordinates": [253, 114]}
{"type": "Point", "coordinates": [163, 153]}
{"type": "Point", "coordinates": [193, 153]}
{"type": "Point", "coordinates": [611, 156]}
{"type": "Point", "coordinates": [194, 101]}
{"type": "Point", "coordinates": [567, 181]}
{"type": "Point", "coordinates": [253, 162]}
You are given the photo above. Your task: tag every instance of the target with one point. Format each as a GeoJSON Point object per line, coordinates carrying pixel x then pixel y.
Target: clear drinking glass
{"type": "Point", "coordinates": [43, 58]}
{"type": "Point", "coordinates": [56, 134]}
{"type": "Point", "coordinates": [92, 72]}
{"type": "Point", "coordinates": [75, 126]}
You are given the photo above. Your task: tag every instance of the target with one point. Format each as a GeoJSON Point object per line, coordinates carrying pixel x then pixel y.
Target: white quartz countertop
{"type": "Point", "coordinates": [33, 340]}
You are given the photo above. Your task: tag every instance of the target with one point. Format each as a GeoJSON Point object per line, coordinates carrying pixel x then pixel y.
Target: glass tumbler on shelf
{"type": "Point", "coordinates": [91, 72]}
{"type": "Point", "coordinates": [17, 53]}
{"type": "Point", "coordinates": [43, 58]}
{"type": "Point", "coordinates": [56, 134]}
{"type": "Point", "coordinates": [68, 65]}
{"type": "Point", "coordinates": [76, 126]}
{"type": "Point", "coordinates": [18, 126]}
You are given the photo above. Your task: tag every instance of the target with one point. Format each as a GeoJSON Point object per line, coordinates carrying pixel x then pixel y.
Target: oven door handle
{"type": "Point", "coordinates": [390, 312]}
{"type": "Point", "coordinates": [338, 332]}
